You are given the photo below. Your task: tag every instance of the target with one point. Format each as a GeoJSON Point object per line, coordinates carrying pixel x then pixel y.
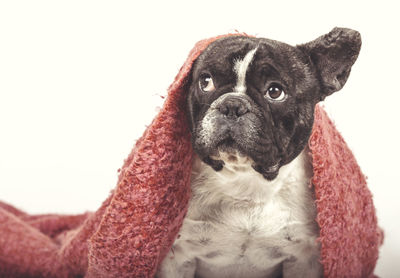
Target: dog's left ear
{"type": "Point", "coordinates": [333, 54]}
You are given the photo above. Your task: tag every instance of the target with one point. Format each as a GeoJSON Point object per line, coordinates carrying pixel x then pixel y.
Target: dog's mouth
{"type": "Point", "coordinates": [228, 145]}
{"type": "Point", "coordinates": [229, 151]}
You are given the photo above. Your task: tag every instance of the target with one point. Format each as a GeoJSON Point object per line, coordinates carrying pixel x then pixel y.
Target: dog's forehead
{"type": "Point", "coordinates": [226, 51]}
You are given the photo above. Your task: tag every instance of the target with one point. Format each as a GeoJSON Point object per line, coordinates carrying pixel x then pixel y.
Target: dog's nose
{"type": "Point", "coordinates": [233, 107]}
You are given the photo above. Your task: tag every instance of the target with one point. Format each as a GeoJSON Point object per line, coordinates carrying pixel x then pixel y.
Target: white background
{"type": "Point", "coordinates": [79, 80]}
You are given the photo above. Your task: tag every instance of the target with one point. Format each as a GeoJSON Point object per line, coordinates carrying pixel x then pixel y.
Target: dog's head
{"type": "Point", "coordinates": [255, 97]}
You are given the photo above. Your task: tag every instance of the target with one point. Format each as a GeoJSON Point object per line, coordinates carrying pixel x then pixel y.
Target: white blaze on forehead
{"type": "Point", "coordinates": [240, 69]}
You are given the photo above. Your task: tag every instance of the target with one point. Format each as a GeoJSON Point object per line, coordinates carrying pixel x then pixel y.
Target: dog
{"type": "Point", "coordinates": [251, 109]}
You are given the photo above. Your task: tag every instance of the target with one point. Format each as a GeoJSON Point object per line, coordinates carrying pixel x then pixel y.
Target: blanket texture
{"type": "Point", "coordinates": [130, 234]}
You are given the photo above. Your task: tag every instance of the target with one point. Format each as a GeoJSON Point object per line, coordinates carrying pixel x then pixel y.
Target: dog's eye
{"type": "Point", "coordinates": [206, 83]}
{"type": "Point", "coordinates": [275, 93]}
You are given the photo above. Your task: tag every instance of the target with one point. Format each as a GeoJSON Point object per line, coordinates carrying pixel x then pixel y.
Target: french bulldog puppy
{"type": "Point", "coordinates": [251, 103]}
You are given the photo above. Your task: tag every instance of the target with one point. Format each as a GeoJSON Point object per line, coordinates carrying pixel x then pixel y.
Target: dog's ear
{"type": "Point", "coordinates": [333, 54]}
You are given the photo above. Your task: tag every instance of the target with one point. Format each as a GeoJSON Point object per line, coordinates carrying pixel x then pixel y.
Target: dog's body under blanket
{"type": "Point", "coordinates": [130, 234]}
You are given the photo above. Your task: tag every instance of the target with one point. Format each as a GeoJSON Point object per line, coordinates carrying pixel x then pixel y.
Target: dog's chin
{"type": "Point", "coordinates": [270, 173]}
{"type": "Point", "coordinates": [229, 154]}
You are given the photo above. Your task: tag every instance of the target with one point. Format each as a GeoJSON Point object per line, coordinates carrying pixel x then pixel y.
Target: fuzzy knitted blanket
{"type": "Point", "coordinates": [130, 234]}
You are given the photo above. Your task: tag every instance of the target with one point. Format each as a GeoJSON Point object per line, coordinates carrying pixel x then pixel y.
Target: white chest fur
{"type": "Point", "coordinates": [241, 225]}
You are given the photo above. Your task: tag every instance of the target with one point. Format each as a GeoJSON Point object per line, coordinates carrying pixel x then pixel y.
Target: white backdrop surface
{"type": "Point", "coordinates": [80, 80]}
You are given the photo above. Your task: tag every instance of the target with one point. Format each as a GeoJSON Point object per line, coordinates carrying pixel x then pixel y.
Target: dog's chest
{"type": "Point", "coordinates": [246, 226]}
{"type": "Point", "coordinates": [249, 240]}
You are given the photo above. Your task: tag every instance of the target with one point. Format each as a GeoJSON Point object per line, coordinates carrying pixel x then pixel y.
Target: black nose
{"type": "Point", "coordinates": [233, 107]}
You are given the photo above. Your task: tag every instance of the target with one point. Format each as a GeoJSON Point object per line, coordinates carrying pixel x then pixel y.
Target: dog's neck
{"type": "Point", "coordinates": [238, 181]}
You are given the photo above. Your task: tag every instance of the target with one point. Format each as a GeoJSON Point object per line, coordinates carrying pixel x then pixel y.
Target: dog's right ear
{"type": "Point", "coordinates": [333, 55]}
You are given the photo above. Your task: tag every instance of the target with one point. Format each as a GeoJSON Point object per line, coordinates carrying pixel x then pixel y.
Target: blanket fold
{"type": "Point", "coordinates": [132, 231]}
